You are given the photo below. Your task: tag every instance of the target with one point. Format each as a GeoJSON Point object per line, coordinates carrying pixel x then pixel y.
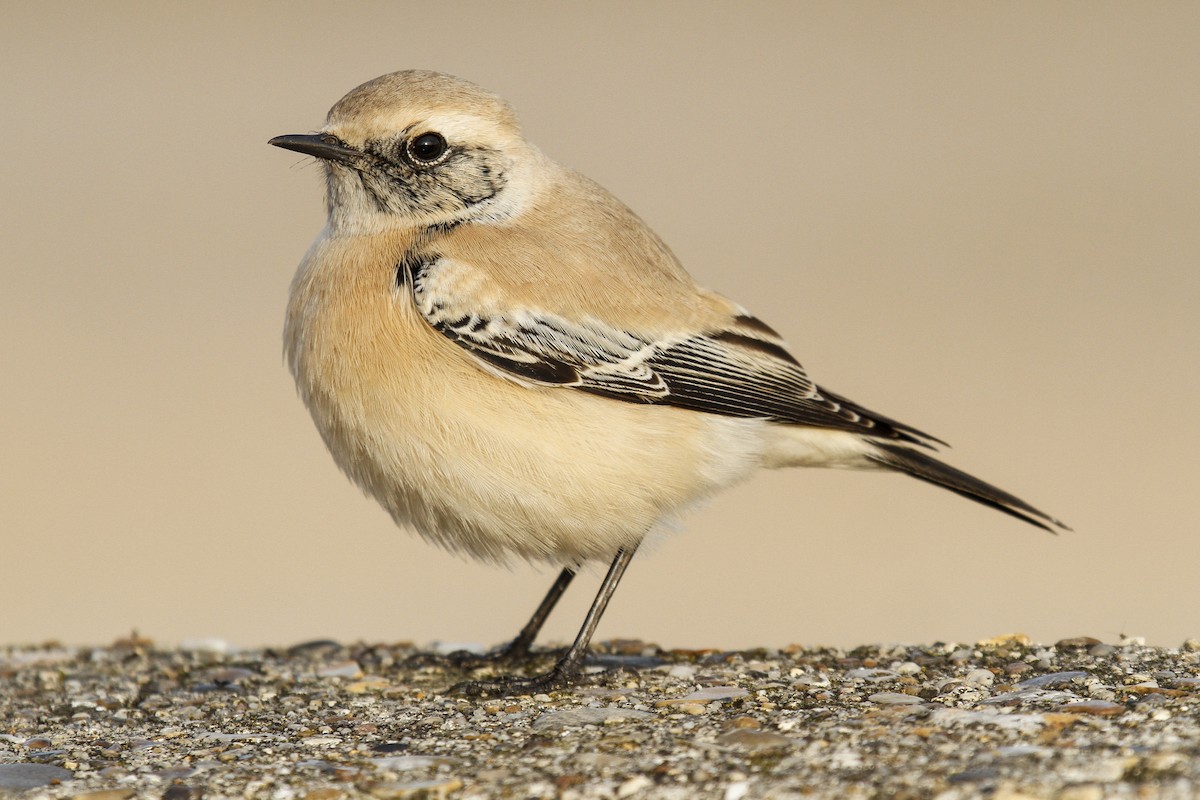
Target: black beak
{"type": "Point", "coordinates": [321, 145]}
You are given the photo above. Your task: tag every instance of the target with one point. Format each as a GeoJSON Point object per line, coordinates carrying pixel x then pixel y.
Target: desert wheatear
{"type": "Point", "coordinates": [513, 364]}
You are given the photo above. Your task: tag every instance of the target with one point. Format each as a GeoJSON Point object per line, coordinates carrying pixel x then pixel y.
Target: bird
{"type": "Point", "coordinates": [515, 366]}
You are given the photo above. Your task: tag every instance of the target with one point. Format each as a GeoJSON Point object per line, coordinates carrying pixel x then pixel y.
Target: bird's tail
{"type": "Point", "coordinates": [926, 468]}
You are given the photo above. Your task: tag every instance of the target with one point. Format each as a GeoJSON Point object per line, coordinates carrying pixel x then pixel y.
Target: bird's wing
{"type": "Point", "coordinates": [738, 369]}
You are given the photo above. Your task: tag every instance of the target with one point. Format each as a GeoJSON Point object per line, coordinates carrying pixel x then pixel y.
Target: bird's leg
{"type": "Point", "coordinates": [518, 649]}
{"type": "Point", "coordinates": [569, 666]}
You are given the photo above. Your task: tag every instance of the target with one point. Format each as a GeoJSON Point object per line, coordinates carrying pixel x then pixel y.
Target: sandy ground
{"type": "Point", "coordinates": [1002, 719]}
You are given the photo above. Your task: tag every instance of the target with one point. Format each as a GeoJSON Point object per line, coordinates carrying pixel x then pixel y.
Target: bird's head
{"type": "Point", "coordinates": [416, 149]}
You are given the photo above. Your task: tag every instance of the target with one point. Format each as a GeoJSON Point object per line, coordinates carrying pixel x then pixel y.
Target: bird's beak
{"type": "Point", "coordinates": [321, 145]}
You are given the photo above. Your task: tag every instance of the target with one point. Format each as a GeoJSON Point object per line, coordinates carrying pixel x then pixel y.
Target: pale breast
{"type": "Point", "coordinates": [470, 460]}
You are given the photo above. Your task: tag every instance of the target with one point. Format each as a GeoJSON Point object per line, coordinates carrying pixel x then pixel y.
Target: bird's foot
{"type": "Point", "coordinates": [558, 678]}
{"type": "Point", "coordinates": [512, 654]}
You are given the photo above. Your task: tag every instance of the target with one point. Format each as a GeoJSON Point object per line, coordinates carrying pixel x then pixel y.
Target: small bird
{"type": "Point", "coordinates": [513, 364]}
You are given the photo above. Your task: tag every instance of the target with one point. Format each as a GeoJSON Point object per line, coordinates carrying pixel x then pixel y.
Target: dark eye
{"type": "Point", "coordinates": [426, 149]}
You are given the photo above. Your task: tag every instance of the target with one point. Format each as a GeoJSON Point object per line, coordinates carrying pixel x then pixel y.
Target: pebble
{"type": "Point", "coordinates": [755, 740]}
{"type": "Point", "coordinates": [408, 763]}
{"type": "Point", "coordinates": [634, 785]}
{"type": "Point", "coordinates": [321, 741]}
{"type": "Point", "coordinates": [682, 671]}
{"type": "Point", "coordinates": [569, 717]}
{"type": "Point", "coordinates": [706, 695]}
{"type": "Point", "coordinates": [414, 789]}
{"type": "Point", "coordinates": [324, 793]}
{"type": "Point", "coordinates": [341, 669]}
{"type": "Point", "coordinates": [1006, 640]}
{"type": "Point", "coordinates": [1082, 791]}
{"type": "Point", "coordinates": [1100, 708]}
{"type": "Point", "coordinates": [1052, 679]}
{"type": "Point", "coordinates": [979, 677]}
{"type": "Point", "coordinates": [1076, 642]}
{"type": "Point", "coordinates": [368, 684]}
{"type": "Point", "coordinates": [30, 776]}
{"type": "Point", "coordinates": [894, 699]}
{"type": "Point", "coordinates": [737, 790]}
{"type": "Point", "coordinates": [739, 725]}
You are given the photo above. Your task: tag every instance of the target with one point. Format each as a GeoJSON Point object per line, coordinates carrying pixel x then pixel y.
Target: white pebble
{"type": "Point", "coordinates": [633, 786]}
{"type": "Point", "coordinates": [737, 790]}
{"type": "Point", "coordinates": [979, 677]}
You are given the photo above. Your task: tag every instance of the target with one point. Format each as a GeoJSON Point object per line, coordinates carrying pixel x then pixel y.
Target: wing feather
{"type": "Point", "coordinates": [739, 370]}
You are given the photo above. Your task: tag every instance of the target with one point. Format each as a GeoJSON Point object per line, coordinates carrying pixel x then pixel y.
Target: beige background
{"type": "Point", "coordinates": [981, 219]}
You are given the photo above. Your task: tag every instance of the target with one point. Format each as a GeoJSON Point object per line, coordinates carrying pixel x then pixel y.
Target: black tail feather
{"type": "Point", "coordinates": [926, 468]}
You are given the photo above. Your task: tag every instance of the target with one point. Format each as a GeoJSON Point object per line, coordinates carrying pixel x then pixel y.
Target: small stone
{"type": "Point", "coordinates": [340, 669]}
{"type": "Point", "coordinates": [31, 776]}
{"type": "Point", "coordinates": [809, 680]}
{"type": "Point", "coordinates": [413, 789]}
{"type": "Point", "coordinates": [409, 763]}
{"type": "Point", "coordinates": [106, 794]}
{"type": "Point", "coordinates": [705, 695]}
{"type": "Point", "coordinates": [597, 761]}
{"type": "Point", "coordinates": [324, 793]}
{"type": "Point", "coordinates": [181, 791]}
{"type": "Point", "coordinates": [368, 684]}
{"type": "Point", "coordinates": [894, 699]}
{"type": "Point", "coordinates": [1166, 762]}
{"type": "Point", "coordinates": [1017, 667]}
{"type": "Point", "coordinates": [1076, 642]}
{"type": "Point", "coordinates": [744, 722]}
{"type": "Point", "coordinates": [908, 668]}
{"type": "Point", "coordinates": [634, 785]}
{"type": "Point", "coordinates": [1101, 650]}
{"type": "Point", "coordinates": [755, 740]}
{"type": "Point", "coordinates": [228, 675]}
{"type": "Point", "coordinates": [568, 717]}
{"type": "Point", "coordinates": [1099, 708]}
{"type": "Point", "coordinates": [737, 790]}
{"type": "Point", "coordinates": [1081, 791]}
{"type": "Point", "coordinates": [1006, 640]}
{"type": "Point", "coordinates": [691, 708]}
{"type": "Point", "coordinates": [1051, 679]}
{"type": "Point", "coordinates": [979, 677]}
{"type": "Point", "coordinates": [321, 741]}
{"type": "Point", "coordinates": [629, 647]}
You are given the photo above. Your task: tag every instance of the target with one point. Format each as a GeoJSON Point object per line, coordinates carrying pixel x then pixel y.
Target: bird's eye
{"type": "Point", "coordinates": [426, 149]}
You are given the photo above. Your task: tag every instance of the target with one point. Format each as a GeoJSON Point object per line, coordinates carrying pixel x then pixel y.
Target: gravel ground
{"type": "Point", "coordinates": [1003, 719]}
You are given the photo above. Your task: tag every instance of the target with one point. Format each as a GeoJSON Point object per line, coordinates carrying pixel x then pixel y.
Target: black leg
{"type": "Point", "coordinates": [568, 667]}
{"type": "Point", "coordinates": [518, 648]}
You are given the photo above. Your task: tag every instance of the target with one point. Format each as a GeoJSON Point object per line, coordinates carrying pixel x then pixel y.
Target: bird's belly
{"type": "Point", "coordinates": [477, 463]}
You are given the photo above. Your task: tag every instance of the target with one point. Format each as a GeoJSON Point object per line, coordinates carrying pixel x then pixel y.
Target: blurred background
{"type": "Point", "coordinates": [981, 219]}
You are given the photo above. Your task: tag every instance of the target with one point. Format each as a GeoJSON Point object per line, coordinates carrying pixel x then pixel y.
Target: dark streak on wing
{"type": "Point", "coordinates": [553, 372]}
{"type": "Point", "coordinates": [756, 325]}
{"type": "Point", "coordinates": [717, 375]}
{"type": "Point", "coordinates": [753, 343]}
{"type": "Point", "coordinates": [731, 372]}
